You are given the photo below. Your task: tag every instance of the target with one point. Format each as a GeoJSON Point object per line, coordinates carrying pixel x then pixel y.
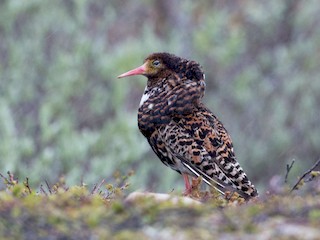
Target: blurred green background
{"type": "Point", "coordinates": [63, 112]}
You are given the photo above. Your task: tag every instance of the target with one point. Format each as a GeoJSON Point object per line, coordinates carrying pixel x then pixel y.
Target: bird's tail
{"type": "Point", "coordinates": [214, 182]}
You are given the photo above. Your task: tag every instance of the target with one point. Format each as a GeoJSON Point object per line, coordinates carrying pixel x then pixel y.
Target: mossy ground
{"type": "Point", "coordinates": [76, 212]}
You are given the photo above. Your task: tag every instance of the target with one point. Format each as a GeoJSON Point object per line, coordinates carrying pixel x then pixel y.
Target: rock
{"type": "Point", "coordinates": [161, 197]}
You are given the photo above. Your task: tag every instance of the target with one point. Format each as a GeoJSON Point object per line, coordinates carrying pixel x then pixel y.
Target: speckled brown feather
{"type": "Point", "coordinates": [183, 133]}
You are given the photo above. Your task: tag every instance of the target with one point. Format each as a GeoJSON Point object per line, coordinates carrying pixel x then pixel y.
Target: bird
{"type": "Point", "coordinates": [184, 134]}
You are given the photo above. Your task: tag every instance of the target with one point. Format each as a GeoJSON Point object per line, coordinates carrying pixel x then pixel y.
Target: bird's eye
{"type": "Point", "coordinates": [156, 63]}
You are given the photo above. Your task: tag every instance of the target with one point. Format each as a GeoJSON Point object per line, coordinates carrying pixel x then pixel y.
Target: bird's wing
{"type": "Point", "coordinates": [199, 144]}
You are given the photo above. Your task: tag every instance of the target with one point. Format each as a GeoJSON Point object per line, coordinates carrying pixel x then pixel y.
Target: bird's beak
{"type": "Point", "coordinates": [137, 71]}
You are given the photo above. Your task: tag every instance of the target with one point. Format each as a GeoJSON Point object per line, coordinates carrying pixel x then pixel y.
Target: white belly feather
{"type": "Point", "coordinates": [144, 97]}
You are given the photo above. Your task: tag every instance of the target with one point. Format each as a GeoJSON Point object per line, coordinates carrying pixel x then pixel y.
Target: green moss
{"type": "Point", "coordinates": [118, 207]}
{"type": "Point", "coordinates": [314, 215]}
{"type": "Point", "coordinates": [127, 234]}
{"type": "Point", "coordinates": [17, 190]}
{"type": "Point", "coordinates": [76, 213]}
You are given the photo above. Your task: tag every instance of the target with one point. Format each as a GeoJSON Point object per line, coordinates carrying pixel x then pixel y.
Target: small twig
{"type": "Point", "coordinates": [97, 187]}
{"type": "Point", "coordinates": [312, 176]}
{"type": "Point", "coordinates": [94, 188]}
{"type": "Point", "coordinates": [288, 170]}
{"type": "Point", "coordinates": [12, 181]}
{"type": "Point", "coordinates": [305, 174]}
{"type": "Point", "coordinates": [125, 186]}
{"type": "Point", "coordinates": [172, 190]}
{"type": "Point", "coordinates": [48, 186]}
{"type": "Point", "coordinates": [42, 190]}
{"type": "Point", "coordinates": [26, 184]}
{"type": "Point", "coordinates": [4, 178]}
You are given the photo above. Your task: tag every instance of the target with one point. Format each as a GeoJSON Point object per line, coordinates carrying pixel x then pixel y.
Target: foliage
{"type": "Point", "coordinates": [62, 111]}
{"type": "Point", "coordinates": [60, 212]}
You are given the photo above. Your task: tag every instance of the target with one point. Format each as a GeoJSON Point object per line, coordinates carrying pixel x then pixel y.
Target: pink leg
{"type": "Point", "coordinates": [187, 184]}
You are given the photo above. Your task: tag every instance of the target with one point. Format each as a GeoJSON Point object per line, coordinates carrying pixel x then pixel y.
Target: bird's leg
{"type": "Point", "coordinates": [187, 184]}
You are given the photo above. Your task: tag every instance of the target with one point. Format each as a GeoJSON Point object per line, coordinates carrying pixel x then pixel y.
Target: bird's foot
{"type": "Point", "coordinates": [192, 189]}
{"type": "Point", "coordinates": [188, 190]}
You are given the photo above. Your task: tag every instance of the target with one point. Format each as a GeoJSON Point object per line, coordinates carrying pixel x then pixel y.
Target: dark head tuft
{"type": "Point", "coordinates": [183, 67]}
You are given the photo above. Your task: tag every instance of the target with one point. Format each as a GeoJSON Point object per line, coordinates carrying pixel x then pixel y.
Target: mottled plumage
{"type": "Point", "coordinates": [183, 133]}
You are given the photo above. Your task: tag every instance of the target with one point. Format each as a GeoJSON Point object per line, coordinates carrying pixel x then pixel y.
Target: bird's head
{"type": "Point", "coordinates": [162, 65]}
